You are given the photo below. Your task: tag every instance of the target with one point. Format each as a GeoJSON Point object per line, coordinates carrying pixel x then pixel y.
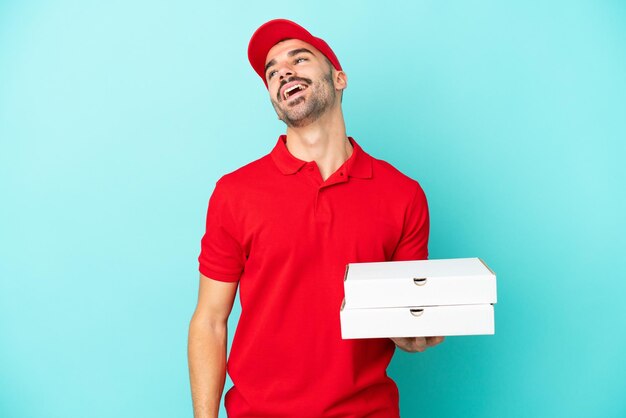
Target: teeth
{"type": "Point", "coordinates": [290, 89]}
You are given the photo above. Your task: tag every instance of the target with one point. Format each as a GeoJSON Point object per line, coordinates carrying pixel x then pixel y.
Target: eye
{"type": "Point", "coordinates": [300, 59]}
{"type": "Point", "coordinates": [271, 74]}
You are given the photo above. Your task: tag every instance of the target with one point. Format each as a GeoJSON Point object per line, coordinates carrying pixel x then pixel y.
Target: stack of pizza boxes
{"type": "Point", "coordinates": [418, 298]}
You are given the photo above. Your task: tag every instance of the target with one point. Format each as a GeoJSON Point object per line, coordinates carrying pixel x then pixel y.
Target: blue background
{"type": "Point", "coordinates": [117, 118]}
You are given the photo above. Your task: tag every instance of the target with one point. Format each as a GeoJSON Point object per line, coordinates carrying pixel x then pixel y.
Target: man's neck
{"type": "Point", "coordinates": [323, 141]}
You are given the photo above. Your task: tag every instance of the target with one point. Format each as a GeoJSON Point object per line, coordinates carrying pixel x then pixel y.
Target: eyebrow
{"type": "Point", "coordinates": [289, 54]}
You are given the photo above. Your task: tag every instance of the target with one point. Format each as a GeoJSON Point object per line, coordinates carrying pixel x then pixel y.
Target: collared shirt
{"type": "Point", "coordinates": [287, 235]}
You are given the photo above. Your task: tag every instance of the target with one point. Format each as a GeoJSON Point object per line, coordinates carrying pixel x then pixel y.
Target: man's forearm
{"type": "Point", "coordinates": [207, 367]}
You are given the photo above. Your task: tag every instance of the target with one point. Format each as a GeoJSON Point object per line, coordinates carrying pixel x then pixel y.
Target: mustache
{"type": "Point", "coordinates": [289, 80]}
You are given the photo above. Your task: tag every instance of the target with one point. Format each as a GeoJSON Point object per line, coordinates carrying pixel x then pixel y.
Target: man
{"type": "Point", "coordinates": [283, 228]}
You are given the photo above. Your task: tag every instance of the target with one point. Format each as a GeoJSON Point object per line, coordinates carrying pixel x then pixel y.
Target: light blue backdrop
{"type": "Point", "coordinates": [117, 117]}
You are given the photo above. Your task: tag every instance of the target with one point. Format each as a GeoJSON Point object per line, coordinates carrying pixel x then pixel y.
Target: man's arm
{"type": "Point", "coordinates": [207, 345]}
{"type": "Point", "coordinates": [413, 245]}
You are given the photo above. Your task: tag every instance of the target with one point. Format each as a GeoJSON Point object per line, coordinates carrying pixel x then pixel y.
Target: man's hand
{"type": "Point", "coordinates": [414, 344]}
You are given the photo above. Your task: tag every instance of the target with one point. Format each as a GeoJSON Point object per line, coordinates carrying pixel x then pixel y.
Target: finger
{"type": "Point", "coordinates": [432, 341]}
{"type": "Point", "coordinates": [419, 344]}
{"type": "Point", "coordinates": [438, 340]}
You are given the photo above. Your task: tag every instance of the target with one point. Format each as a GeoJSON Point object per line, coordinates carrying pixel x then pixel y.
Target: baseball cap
{"type": "Point", "coordinates": [274, 31]}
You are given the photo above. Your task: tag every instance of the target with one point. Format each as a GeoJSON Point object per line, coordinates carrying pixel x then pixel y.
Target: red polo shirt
{"type": "Point", "coordinates": [287, 236]}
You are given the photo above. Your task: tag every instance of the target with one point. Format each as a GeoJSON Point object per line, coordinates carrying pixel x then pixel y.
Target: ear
{"type": "Point", "coordinates": [341, 80]}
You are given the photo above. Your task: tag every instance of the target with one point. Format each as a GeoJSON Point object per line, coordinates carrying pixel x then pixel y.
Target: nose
{"type": "Point", "coordinates": [284, 72]}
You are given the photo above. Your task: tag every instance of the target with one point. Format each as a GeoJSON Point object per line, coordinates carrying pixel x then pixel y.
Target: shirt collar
{"type": "Point", "coordinates": [358, 165]}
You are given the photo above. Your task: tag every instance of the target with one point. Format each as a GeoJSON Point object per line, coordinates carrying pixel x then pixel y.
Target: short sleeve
{"type": "Point", "coordinates": [221, 256]}
{"type": "Point", "coordinates": [413, 244]}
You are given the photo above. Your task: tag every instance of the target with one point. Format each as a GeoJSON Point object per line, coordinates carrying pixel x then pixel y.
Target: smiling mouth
{"type": "Point", "coordinates": [294, 90]}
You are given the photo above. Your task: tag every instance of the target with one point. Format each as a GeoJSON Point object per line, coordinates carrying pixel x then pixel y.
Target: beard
{"type": "Point", "coordinates": [301, 112]}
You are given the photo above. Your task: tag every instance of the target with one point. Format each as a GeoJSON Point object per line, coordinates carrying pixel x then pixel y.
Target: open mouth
{"type": "Point", "coordinates": [294, 90]}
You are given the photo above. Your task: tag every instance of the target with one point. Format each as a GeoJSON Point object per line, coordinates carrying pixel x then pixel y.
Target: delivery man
{"type": "Point", "coordinates": [283, 228]}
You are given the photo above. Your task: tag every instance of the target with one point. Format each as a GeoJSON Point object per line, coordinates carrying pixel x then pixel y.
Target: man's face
{"type": "Point", "coordinates": [300, 82]}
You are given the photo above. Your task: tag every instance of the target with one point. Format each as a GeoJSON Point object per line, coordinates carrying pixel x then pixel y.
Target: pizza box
{"type": "Point", "coordinates": [458, 281]}
{"type": "Point", "coordinates": [421, 321]}
{"type": "Point", "coordinates": [418, 299]}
